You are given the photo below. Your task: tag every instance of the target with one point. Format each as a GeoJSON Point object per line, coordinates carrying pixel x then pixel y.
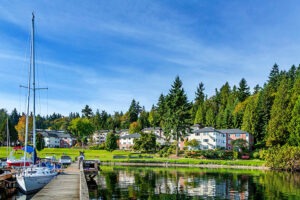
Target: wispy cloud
{"type": "Point", "coordinates": [105, 53]}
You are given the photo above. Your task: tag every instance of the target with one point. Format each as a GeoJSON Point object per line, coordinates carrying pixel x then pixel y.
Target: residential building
{"type": "Point", "coordinates": [126, 141]}
{"type": "Point", "coordinates": [56, 139]}
{"type": "Point", "coordinates": [99, 137]}
{"type": "Point", "coordinates": [233, 134]}
{"type": "Point", "coordinates": [209, 138]}
{"type": "Point", "coordinates": [157, 131]}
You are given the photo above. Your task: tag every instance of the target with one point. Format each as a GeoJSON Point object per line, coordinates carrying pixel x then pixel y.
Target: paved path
{"type": "Point", "coordinates": [65, 186]}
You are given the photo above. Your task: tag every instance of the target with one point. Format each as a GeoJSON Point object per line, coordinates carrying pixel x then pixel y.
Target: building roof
{"type": "Point", "coordinates": [55, 134]}
{"type": "Point", "coordinates": [134, 135]}
{"type": "Point", "coordinates": [232, 131]}
{"type": "Point", "coordinates": [206, 129]}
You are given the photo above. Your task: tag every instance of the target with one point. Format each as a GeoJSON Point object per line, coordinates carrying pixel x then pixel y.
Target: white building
{"type": "Point", "coordinates": [208, 138]}
{"type": "Point", "coordinates": [126, 141]}
{"type": "Point", "coordinates": [56, 139]}
{"type": "Point", "coordinates": [99, 137]}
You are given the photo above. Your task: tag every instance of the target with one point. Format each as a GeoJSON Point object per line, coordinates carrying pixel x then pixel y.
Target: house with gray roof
{"type": "Point", "coordinates": [211, 138]}
{"type": "Point", "coordinates": [208, 138]}
{"type": "Point", "coordinates": [57, 139]}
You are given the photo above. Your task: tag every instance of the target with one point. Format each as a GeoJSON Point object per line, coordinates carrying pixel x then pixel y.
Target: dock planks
{"type": "Point", "coordinates": [64, 186]}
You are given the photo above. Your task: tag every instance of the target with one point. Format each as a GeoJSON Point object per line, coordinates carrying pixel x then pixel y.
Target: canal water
{"type": "Point", "coordinates": [193, 183]}
{"type": "Point", "coordinates": [190, 183]}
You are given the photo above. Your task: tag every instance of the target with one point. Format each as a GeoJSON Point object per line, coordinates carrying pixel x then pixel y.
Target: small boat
{"type": "Point", "coordinates": [32, 178]}
{"type": "Point", "coordinates": [12, 161]}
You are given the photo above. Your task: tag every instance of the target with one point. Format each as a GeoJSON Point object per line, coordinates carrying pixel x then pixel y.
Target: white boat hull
{"type": "Point", "coordinates": [30, 183]}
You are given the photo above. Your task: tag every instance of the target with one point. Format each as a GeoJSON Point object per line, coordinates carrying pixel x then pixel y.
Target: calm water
{"type": "Point", "coordinates": [193, 183]}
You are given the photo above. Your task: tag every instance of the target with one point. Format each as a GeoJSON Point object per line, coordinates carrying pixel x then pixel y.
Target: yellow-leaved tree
{"type": "Point", "coordinates": [21, 126]}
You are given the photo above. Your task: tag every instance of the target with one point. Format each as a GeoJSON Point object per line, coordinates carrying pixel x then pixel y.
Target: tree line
{"type": "Point", "coordinates": [271, 112]}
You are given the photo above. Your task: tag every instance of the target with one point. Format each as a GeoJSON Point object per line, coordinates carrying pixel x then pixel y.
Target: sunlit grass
{"type": "Point", "coordinates": [127, 156]}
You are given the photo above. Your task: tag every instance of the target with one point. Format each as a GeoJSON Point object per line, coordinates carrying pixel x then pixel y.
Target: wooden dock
{"type": "Point", "coordinates": [70, 184]}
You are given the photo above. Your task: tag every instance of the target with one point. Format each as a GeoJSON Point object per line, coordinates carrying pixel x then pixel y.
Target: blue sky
{"type": "Point", "coordinates": [105, 53]}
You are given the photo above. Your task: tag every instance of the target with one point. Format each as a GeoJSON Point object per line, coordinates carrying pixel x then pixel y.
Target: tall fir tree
{"type": "Point", "coordinates": [177, 115]}
{"type": "Point", "coordinates": [161, 109]}
{"type": "Point", "coordinates": [280, 116]}
{"type": "Point", "coordinates": [294, 125]}
{"type": "Point", "coordinates": [243, 90]}
{"type": "Point", "coordinates": [199, 102]}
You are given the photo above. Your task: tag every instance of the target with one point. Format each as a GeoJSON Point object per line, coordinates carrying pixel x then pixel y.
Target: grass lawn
{"type": "Point", "coordinates": [127, 156]}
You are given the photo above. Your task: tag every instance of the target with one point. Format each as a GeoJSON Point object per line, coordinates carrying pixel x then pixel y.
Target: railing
{"type": "Point", "coordinates": [84, 191]}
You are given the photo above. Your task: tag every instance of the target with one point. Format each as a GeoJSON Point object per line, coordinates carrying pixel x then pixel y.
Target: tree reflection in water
{"type": "Point", "coordinates": [194, 183]}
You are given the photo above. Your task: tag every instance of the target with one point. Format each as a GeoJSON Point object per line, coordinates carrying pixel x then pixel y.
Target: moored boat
{"type": "Point", "coordinates": [32, 178]}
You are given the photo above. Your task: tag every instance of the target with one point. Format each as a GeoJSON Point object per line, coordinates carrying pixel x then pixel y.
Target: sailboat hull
{"type": "Point", "coordinates": [34, 179]}
{"type": "Point", "coordinates": [18, 163]}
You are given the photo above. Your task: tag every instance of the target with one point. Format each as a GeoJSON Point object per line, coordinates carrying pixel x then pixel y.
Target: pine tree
{"type": "Point", "coordinates": [199, 101]}
{"type": "Point", "coordinates": [134, 111]}
{"type": "Point", "coordinates": [250, 118]}
{"type": "Point", "coordinates": [111, 142]}
{"type": "Point", "coordinates": [243, 90]}
{"type": "Point", "coordinates": [161, 109]}
{"type": "Point", "coordinates": [280, 116]}
{"type": "Point", "coordinates": [87, 112]}
{"type": "Point", "coordinates": [177, 115]}
{"type": "Point", "coordinates": [200, 115]}
{"type": "Point", "coordinates": [294, 125]}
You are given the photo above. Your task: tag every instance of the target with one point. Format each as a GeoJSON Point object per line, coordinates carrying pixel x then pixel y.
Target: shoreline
{"type": "Point", "coordinates": [186, 165]}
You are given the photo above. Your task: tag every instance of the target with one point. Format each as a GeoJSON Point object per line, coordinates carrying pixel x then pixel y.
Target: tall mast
{"type": "Point", "coordinates": [7, 137]}
{"type": "Point", "coordinates": [28, 99]}
{"type": "Point", "coordinates": [33, 83]}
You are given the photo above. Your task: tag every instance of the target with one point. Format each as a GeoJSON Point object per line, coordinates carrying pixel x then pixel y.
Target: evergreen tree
{"type": "Point", "coordinates": [14, 117]}
{"type": "Point", "coordinates": [243, 90]}
{"type": "Point", "coordinates": [294, 125]}
{"type": "Point", "coordinates": [153, 117]}
{"type": "Point", "coordinates": [111, 142]}
{"type": "Point", "coordinates": [210, 118]}
{"type": "Point", "coordinates": [200, 116]}
{"type": "Point", "coordinates": [146, 143]}
{"type": "Point", "coordinates": [87, 112]}
{"type": "Point", "coordinates": [96, 120]}
{"type": "Point", "coordinates": [161, 109]}
{"type": "Point", "coordinates": [251, 119]}
{"type": "Point", "coordinates": [134, 111]}
{"type": "Point", "coordinates": [200, 96]}
{"type": "Point", "coordinates": [274, 75]}
{"type": "Point", "coordinates": [177, 115]}
{"type": "Point", "coordinates": [256, 89]}
{"type": "Point", "coordinates": [143, 119]}
{"type": "Point", "coordinates": [40, 143]}
{"type": "Point", "coordinates": [199, 102]}
{"type": "Point", "coordinates": [280, 116]}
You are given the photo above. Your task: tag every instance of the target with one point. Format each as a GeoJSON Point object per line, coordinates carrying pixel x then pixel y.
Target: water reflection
{"type": "Point", "coordinates": [193, 183]}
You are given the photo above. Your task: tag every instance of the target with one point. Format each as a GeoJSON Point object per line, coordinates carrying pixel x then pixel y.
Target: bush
{"type": "Point", "coordinates": [166, 151]}
{"type": "Point", "coordinates": [210, 154]}
{"type": "Point", "coordinates": [283, 158]}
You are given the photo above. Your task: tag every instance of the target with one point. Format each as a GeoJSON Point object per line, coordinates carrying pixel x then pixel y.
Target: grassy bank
{"type": "Point", "coordinates": [129, 157]}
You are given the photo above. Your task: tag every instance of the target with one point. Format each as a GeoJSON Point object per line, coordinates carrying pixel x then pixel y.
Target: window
{"type": "Point", "coordinates": [205, 140]}
{"type": "Point", "coordinates": [237, 135]}
{"type": "Point", "coordinates": [205, 147]}
{"type": "Point", "coordinates": [197, 134]}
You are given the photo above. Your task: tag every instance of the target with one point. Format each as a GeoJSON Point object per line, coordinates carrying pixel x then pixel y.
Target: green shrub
{"type": "Point", "coordinates": [283, 158]}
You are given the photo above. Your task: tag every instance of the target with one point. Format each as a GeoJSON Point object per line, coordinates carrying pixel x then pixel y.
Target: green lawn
{"type": "Point", "coordinates": [126, 156]}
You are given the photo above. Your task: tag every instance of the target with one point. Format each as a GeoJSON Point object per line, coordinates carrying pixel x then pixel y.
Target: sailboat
{"type": "Point", "coordinates": [32, 178]}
